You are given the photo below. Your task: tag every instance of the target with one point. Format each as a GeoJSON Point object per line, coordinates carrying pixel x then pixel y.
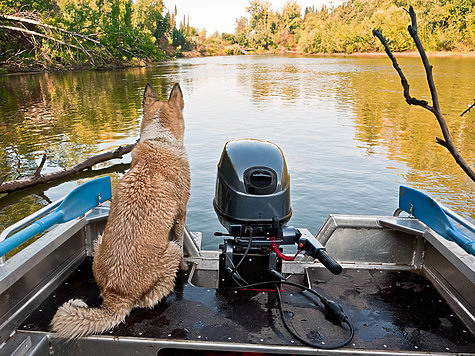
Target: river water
{"type": "Point", "coordinates": [347, 134]}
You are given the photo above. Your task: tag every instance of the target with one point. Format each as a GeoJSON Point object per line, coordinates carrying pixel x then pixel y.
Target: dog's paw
{"type": "Point", "coordinates": [97, 243]}
{"type": "Point", "coordinates": [76, 303]}
{"type": "Point", "coordinates": [183, 265]}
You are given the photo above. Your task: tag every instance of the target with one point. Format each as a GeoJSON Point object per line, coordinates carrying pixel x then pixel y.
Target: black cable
{"type": "Point", "coordinates": [234, 274]}
{"type": "Point", "coordinates": [242, 259]}
{"type": "Point", "coordinates": [294, 333]}
{"type": "Point", "coordinates": [331, 307]}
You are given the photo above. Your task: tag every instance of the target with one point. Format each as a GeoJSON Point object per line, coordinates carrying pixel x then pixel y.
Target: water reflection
{"type": "Point", "coordinates": [69, 116]}
{"type": "Point", "coordinates": [348, 135]}
{"type": "Point", "coordinates": [408, 133]}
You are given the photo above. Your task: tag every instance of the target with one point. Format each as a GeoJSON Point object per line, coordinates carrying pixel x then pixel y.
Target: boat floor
{"type": "Point", "coordinates": [391, 310]}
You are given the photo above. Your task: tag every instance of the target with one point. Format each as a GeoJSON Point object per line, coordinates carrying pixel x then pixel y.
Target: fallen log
{"type": "Point", "coordinates": [38, 190]}
{"type": "Point", "coordinates": [38, 178]}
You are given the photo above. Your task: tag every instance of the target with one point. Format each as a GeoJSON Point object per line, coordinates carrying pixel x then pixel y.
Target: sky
{"type": "Point", "coordinates": [221, 15]}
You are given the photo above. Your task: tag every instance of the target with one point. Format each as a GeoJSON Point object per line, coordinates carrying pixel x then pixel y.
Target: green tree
{"type": "Point", "coordinates": [444, 25]}
{"type": "Point", "coordinates": [261, 24]}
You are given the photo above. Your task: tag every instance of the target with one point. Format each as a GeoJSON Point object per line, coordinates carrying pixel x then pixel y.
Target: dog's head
{"type": "Point", "coordinates": [163, 114]}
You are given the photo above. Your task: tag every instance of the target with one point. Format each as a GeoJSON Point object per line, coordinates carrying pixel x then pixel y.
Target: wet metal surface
{"type": "Point", "coordinates": [391, 310]}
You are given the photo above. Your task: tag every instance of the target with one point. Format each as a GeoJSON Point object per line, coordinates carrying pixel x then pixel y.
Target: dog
{"type": "Point", "coordinates": [138, 256]}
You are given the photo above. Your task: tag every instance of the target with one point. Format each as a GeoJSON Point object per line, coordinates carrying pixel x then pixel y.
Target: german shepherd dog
{"type": "Point", "coordinates": [137, 258]}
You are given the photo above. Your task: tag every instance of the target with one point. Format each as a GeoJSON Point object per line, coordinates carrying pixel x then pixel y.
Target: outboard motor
{"type": "Point", "coordinates": [252, 202]}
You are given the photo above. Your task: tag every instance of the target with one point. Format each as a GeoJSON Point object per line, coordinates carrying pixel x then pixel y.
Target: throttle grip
{"type": "Point", "coordinates": [332, 265]}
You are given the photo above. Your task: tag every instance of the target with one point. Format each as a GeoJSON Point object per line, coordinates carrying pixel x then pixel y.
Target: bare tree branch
{"type": "Point", "coordinates": [43, 196]}
{"type": "Point", "coordinates": [409, 99]}
{"type": "Point", "coordinates": [15, 197]}
{"type": "Point", "coordinates": [37, 23]}
{"type": "Point", "coordinates": [11, 186]}
{"type": "Point", "coordinates": [40, 167]}
{"type": "Point", "coordinates": [33, 33]}
{"type": "Point", "coordinates": [468, 110]}
{"type": "Point", "coordinates": [447, 142]}
{"type": "Point", "coordinates": [48, 29]}
{"type": "Point", "coordinates": [441, 142]}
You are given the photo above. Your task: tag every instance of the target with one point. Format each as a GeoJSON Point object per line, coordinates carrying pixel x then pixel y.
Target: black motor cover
{"type": "Point", "coordinates": [252, 185]}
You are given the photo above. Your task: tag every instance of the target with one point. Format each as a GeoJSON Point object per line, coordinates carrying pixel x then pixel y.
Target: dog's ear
{"type": "Point", "coordinates": [176, 97]}
{"type": "Point", "coordinates": [149, 96]}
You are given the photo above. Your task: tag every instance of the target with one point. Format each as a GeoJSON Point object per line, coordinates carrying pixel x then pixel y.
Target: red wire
{"type": "Point", "coordinates": [280, 254]}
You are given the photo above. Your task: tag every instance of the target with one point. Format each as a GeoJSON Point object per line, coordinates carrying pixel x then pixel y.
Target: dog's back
{"type": "Point", "coordinates": [135, 262]}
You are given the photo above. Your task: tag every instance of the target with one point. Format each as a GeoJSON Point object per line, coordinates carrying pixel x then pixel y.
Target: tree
{"type": "Point", "coordinates": [147, 13]}
{"type": "Point", "coordinates": [260, 24]}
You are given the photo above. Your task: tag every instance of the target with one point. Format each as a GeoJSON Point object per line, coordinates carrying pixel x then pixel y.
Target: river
{"type": "Point", "coordinates": [347, 134]}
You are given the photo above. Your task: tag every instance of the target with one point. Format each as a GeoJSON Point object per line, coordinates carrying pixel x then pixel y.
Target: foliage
{"type": "Point", "coordinates": [92, 33]}
{"type": "Point", "coordinates": [101, 33]}
{"type": "Point", "coordinates": [444, 25]}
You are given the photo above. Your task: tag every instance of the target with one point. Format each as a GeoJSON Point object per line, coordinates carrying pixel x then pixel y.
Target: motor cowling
{"type": "Point", "coordinates": [252, 187]}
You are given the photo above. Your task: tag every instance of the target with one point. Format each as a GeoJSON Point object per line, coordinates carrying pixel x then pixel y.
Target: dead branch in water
{"type": "Point", "coordinates": [447, 141]}
{"type": "Point", "coordinates": [14, 197]}
{"type": "Point", "coordinates": [38, 178]}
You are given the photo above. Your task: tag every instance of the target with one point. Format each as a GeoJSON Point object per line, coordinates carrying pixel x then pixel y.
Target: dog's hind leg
{"type": "Point", "coordinates": [167, 270]}
{"type": "Point", "coordinates": [178, 231]}
{"type": "Point", "coordinates": [179, 227]}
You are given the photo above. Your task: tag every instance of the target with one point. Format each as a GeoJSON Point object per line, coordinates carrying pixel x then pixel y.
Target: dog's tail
{"type": "Point", "coordinates": [75, 319]}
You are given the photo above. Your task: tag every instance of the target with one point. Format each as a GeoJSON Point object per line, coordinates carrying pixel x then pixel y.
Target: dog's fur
{"type": "Point", "coordinates": [136, 260]}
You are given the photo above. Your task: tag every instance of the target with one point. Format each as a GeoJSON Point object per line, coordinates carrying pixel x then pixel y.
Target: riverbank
{"type": "Point", "coordinates": [470, 54]}
{"type": "Point", "coordinates": [403, 54]}
{"type": "Point", "coordinates": [26, 69]}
